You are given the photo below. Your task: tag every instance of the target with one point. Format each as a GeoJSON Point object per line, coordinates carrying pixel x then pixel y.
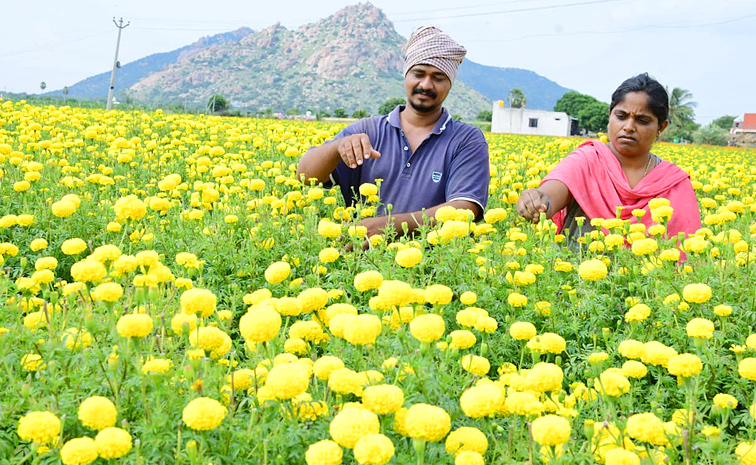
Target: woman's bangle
{"type": "Point", "coordinates": [548, 203]}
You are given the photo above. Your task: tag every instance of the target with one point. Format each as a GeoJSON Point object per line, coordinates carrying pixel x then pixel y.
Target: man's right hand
{"type": "Point", "coordinates": [355, 149]}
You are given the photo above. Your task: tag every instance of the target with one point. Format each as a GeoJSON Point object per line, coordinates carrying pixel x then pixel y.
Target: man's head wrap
{"type": "Point", "coordinates": [431, 46]}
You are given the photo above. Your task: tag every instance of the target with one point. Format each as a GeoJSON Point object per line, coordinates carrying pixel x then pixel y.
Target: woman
{"type": "Point", "coordinates": [597, 178]}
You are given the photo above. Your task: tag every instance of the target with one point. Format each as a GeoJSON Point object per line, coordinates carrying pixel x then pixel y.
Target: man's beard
{"type": "Point", "coordinates": [420, 107]}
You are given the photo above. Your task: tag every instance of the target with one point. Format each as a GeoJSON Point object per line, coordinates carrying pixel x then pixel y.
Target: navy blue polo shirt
{"type": "Point", "coordinates": [450, 164]}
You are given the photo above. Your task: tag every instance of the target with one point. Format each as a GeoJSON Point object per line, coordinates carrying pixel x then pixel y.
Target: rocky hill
{"type": "Point", "coordinates": [350, 60]}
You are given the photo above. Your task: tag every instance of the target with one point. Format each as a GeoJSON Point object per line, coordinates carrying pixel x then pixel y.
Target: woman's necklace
{"type": "Point", "coordinates": [648, 165]}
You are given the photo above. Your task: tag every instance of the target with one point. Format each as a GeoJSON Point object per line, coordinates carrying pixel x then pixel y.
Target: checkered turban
{"type": "Point", "coordinates": [431, 46]}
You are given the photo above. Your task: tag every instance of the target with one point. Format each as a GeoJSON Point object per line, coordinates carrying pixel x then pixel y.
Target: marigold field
{"type": "Point", "coordinates": [170, 293]}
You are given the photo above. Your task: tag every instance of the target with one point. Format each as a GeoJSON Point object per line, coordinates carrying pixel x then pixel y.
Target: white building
{"type": "Point", "coordinates": [534, 122]}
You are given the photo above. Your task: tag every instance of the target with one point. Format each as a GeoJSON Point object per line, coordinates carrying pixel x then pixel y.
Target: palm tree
{"type": "Point", "coordinates": [681, 107]}
{"type": "Point", "coordinates": [516, 98]}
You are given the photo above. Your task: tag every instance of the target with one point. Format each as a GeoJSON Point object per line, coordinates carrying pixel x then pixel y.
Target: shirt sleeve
{"type": "Point", "coordinates": [348, 178]}
{"type": "Point", "coordinates": [469, 172]}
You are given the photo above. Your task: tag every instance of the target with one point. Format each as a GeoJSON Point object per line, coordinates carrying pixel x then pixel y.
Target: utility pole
{"type": "Point", "coordinates": [120, 27]}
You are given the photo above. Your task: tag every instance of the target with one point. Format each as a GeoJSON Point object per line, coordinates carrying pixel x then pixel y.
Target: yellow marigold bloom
{"type": "Point", "coordinates": [638, 312]}
{"type": "Point", "coordinates": [79, 451]}
{"type": "Point", "coordinates": [612, 383]}
{"type": "Point", "coordinates": [524, 278]}
{"type": "Point", "coordinates": [288, 380]}
{"type": "Point", "coordinates": [73, 246]}
{"type": "Point", "coordinates": [747, 368]}
{"type": "Point", "coordinates": [551, 430]}
{"type": "Point", "coordinates": [45, 263]}
{"type": "Point", "coordinates": [634, 369]}
{"type": "Point", "coordinates": [592, 270]}
{"type": "Point", "coordinates": [522, 330]}
{"type": "Point", "coordinates": [544, 377]}
{"type": "Point", "coordinates": [670, 255]}
{"type": "Point", "coordinates": [722, 310]}
{"type": "Point", "coordinates": [368, 280]}
{"type": "Point", "coordinates": [481, 401]}
{"type": "Point", "coordinates": [329, 255]}
{"type": "Point", "coordinates": [438, 294]}
{"type": "Point", "coordinates": [684, 365]}
{"type": "Point", "coordinates": [467, 457]}
{"type": "Point", "coordinates": [32, 362]}
{"type": "Point", "coordinates": [700, 328]}
{"type": "Point", "coordinates": [211, 339]}
{"type": "Point", "coordinates": [198, 301]}
{"type": "Point", "coordinates": [630, 348]}
{"type": "Point", "coordinates": [134, 325]}
{"type": "Point", "coordinates": [466, 438]}
{"type": "Point", "coordinates": [362, 329]}
{"type": "Point", "coordinates": [495, 215]}
{"type": "Point", "coordinates": [38, 244]}
{"type": "Point", "coordinates": [113, 443]}
{"type": "Point", "coordinates": [325, 452]}
{"type": "Point", "coordinates": [656, 353]}
{"type": "Point", "coordinates": [468, 298]}
{"type": "Point", "coordinates": [647, 427]}
{"type": "Point", "coordinates": [383, 398]}
{"type": "Point", "coordinates": [644, 246]}
{"type": "Point", "coordinates": [345, 381]}
{"type": "Point", "coordinates": [373, 449]}
{"type": "Point", "coordinates": [40, 427]}
{"type": "Point", "coordinates": [409, 257]}
{"type": "Point", "coordinates": [87, 271]}
{"type": "Point", "coordinates": [261, 324]}
{"type": "Point", "coordinates": [277, 272]}
{"type": "Point", "coordinates": [203, 414]}
{"type": "Point", "coordinates": [695, 244]}
{"type": "Point", "coordinates": [157, 365]}
{"type": "Point", "coordinates": [107, 292]}
{"type": "Point", "coordinates": [43, 277]}
{"type": "Point", "coordinates": [462, 339]}
{"type": "Point", "coordinates": [725, 401]}
{"type": "Point", "coordinates": [596, 358]}
{"type": "Point", "coordinates": [697, 293]}
{"type": "Point", "coordinates": [620, 456]}
{"type": "Point", "coordinates": [427, 422]}
{"type": "Point", "coordinates": [562, 266]}
{"type": "Point", "coordinates": [325, 365]}
{"type": "Point", "coordinates": [427, 328]}
{"type": "Point", "coordinates": [517, 300]}
{"type": "Point", "coordinates": [746, 452]}
{"type": "Point", "coordinates": [367, 189]}
{"type": "Point", "coordinates": [352, 424]}
{"type": "Point", "coordinates": [547, 343]}
{"type": "Point", "coordinates": [393, 293]}
{"type": "Point", "coordinates": [329, 229]}
{"type": "Point", "coordinates": [113, 227]}
{"type": "Point", "coordinates": [475, 364]}
{"type": "Point", "coordinates": [183, 321]}
{"type": "Point", "coordinates": [63, 208]}
{"type": "Point", "coordinates": [97, 413]}
{"type": "Point", "coordinates": [130, 208]}
{"type": "Point", "coordinates": [72, 338]}
{"type": "Point", "coordinates": [313, 299]}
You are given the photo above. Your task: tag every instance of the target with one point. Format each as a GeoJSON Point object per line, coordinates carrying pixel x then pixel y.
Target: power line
{"type": "Point", "coordinates": [518, 10]}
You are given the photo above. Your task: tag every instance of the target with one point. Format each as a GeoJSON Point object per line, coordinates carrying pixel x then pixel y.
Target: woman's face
{"type": "Point", "coordinates": [632, 125]}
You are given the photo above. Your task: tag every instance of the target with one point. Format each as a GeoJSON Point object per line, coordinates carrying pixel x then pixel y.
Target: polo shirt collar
{"type": "Point", "coordinates": [443, 121]}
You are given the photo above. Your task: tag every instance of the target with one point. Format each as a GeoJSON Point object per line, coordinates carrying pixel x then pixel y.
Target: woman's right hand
{"type": "Point", "coordinates": [532, 203]}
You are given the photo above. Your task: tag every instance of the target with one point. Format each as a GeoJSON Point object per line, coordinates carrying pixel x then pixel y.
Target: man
{"type": "Point", "coordinates": [425, 159]}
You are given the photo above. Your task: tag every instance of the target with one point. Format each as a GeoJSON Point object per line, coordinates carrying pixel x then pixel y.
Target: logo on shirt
{"type": "Point", "coordinates": [436, 176]}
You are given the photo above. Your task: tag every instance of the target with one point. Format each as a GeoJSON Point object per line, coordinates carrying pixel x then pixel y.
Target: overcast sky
{"type": "Point", "coordinates": [704, 46]}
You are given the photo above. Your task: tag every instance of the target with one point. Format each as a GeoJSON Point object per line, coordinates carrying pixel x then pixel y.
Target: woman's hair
{"type": "Point", "coordinates": [658, 100]}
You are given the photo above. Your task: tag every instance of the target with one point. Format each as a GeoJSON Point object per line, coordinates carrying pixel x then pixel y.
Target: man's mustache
{"type": "Point", "coordinates": [427, 92]}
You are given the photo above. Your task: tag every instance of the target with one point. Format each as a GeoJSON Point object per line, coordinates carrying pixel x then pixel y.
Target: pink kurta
{"type": "Point", "coordinates": [596, 181]}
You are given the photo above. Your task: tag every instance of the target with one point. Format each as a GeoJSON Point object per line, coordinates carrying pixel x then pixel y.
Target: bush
{"type": "Point", "coordinates": [711, 135]}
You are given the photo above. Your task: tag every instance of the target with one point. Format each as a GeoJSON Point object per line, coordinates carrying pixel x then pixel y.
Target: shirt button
{"type": "Point", "coordinates": [406, 148]}
{"type": "Point", "coordinates": [408, 164]}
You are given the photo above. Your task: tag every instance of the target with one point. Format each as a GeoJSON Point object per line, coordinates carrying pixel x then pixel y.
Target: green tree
{"type": "Point", "coordinates": [360, 114]}
{"type": "Point", "coordinates": [390, 104]}
{"type": "Point", "coordinates": [339, 113]}
{"type": "Point", "coordinates": [682, 122]}
{"type": "Point", "coordinates": [217, 104]}
{"type": "Point", "coordinates": [724, 122]}
{"type": "Point", "coordinates": [711, 135]}
{"type": "Point", "coordinates": [485, 115]}
{"type": "Point", "coordinates": [43, 85]}
{"type": "Point", "coordinates": [592, 114]}
{"type": "Point", "coordinates": [516, 98]}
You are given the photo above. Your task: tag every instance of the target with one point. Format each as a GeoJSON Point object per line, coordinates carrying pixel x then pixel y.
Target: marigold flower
{"type": "Point", "coordinates": [87, 271]}
{"type": "Point", "coordinates": [462, 339]}
{"type": "Point", "coordinates": [113, 443]}
{"type": "Point", "coordinates": [551, 430]}
{"type": "Point", "coordinates": [211, 339]}
{"type": "Point", "coordinates": [198, 301]}
{"type": "Point", "coordinates": [409, 257]}
{"type": "Point", "coordinates": [725, 401]}
{"type": "Point", "coordinates": [157, 366]}
{"type": "Point", "coordinates": [107, 292]}
{"type": "Point", "coordinates": [630, 348]}
{"type": "Point", "coordinates": [475, 364]}
{"type": "Point", "coordinates": [517, 300]}
{"type": "Point", "coordinates": [700, 328]}
{"type": "Point", "coordinates": [438, 294]}
{"type": "Point", "coordinates": [644, 246]}
{"type": "Point", "coordinates": [362, 329]}
{"type": "Point", "coordinates": [203, 413]}
{"type": "Point", "coordinates": [97, 413]}
{"type": "Point", "coordinates": [747, 368]}
{"type": "Point", "coordinates": [368, 280]}
{"type": "Point", "coordinates": [697, 293]}
{"type": "Point", "coordinates": [40, 427]}
{"type": "Point", "coordinates": [684, 365]}
{"type": "Point", "coordinates": [373, 449]}
{"type": "Point", "coordinates": [277, 272]}
{"type": "Point", "coordinates": [547, 343]}
{"type": "Point", "coordinates": [288, 380]}
{"type": "Point", "coordinates": [638, 312]}
{"type": "Point", "coordinates": [329, 229]}
{"type": "Point", "coordinates": [522, 330]}
{"type": "Point", "coordinates": [345, 381]}
{"type": "Point", "coordinates": [746, 452]}
{"type": "Point", "coordinates": [79, 451]}
{"type": "Point", "coordinates": [313, 299]}
{"type": "Point", "coordinates": [427, 328]}
{"type": "Point", "coordinates": [134, 325]}
{"type": "Point", "coordinates": [63, 208]}
{"type": "Point", "coordinates": [656, 353]}
{"type": "Point", "coordinates": [325, 365]}
{"type": "Point", "coordinates": [325, 452]}
{"type": "Point", "coordinates": [481, 401]}
{"type": "Point", "coordinates": [544, 377]}
{"type": "Point", "coordinates": [261, 324]}
{"type": "Point", "coordinates": [427, 422]}
{"type": "Point", "coordinates": [352, 424]}
{"type": "Point", "coordinates": [620, 456]}
{"type": "Point", "coordinates": [647, 427]}
{"type": "Point", "coordinates": [592, 270]}
{"type": "Point", "coordinates": [130, 208]}
{"type": "Point", "coordinates": [72, 338]}
{"type": "Point", "coordinates": [612, 383]}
